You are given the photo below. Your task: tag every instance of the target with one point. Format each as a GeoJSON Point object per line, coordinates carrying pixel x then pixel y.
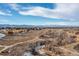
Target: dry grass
{"type": "Point", "coordinates": [1, 48]}
{"type": "Point", "coordinates": [55, 41]}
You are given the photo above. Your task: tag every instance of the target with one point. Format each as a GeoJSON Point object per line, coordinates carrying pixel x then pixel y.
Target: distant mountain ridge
{"type": "Point", "coordinates": [32, 26]}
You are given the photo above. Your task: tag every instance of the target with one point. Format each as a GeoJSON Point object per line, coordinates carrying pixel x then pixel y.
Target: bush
{"type": "Point", "coordinates": [10, 32]}
{"type": "Point", "coordinates": [77, 47]}
{"type": "Point", "coordinates": [59, 38]}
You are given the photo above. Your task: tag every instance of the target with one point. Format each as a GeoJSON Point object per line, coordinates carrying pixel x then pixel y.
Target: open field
{"type": "Point", "coordinates": [41, 42]}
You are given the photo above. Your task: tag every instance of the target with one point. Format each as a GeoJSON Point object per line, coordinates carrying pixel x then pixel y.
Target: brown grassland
{"type": "Point", "coordinates": [43, 42]}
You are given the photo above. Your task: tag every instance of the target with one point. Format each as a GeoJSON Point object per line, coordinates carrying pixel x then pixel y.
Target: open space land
{"type": "Point", "coordinates": [40, 42]}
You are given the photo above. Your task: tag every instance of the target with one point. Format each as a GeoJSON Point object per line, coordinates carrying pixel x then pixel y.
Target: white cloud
{"type": "Point", "coordinates": [63, 23]}
{"type": "Point", "coordinates": [69, 11]}
{"type": "Point", "coordinates": [4, 13]}
{"type": "Point", "coordinates": [14, 6]}
{"type": "Point", "coordinates": [56, 23]}
{"type": "Point", "coordinates": [38, 11]}
{"type": "Point", "coordinates": [63, 10]}
{"type": "Point", "coordinates": [18, 7]}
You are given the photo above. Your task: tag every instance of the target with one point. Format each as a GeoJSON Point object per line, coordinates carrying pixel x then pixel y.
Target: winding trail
{"type": "Point", "coordinates": [34, 34]}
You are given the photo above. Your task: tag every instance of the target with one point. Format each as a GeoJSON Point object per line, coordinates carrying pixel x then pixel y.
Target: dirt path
{"type": "Point", "coordinates": [35, 35]}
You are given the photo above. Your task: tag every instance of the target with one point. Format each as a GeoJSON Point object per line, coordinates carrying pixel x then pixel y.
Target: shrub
{"type": "Point", "coordinates": [77, 47]}
{"type": "Point", "coordinates": [10, 32]}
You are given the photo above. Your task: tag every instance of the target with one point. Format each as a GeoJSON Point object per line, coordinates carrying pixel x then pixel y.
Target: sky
{"type": "Point", "coordinates": [39, 13]}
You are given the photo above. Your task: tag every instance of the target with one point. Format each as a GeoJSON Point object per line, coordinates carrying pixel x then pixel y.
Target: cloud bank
{"type": "Point", "coordinates": [68, 11]}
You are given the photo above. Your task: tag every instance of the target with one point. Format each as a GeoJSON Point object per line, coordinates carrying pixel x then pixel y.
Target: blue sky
{"type": "Point", "coordinates": [39, 13]}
